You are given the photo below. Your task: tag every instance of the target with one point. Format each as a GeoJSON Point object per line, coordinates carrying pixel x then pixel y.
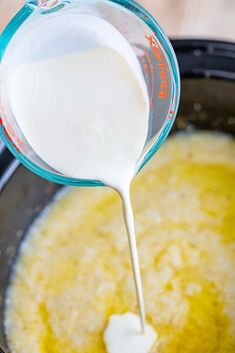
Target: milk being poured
{"type": "Point", "coordinates": [86, 115]}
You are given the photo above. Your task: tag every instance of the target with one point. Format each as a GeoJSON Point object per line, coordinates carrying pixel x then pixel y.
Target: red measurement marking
{"type": "Point", "coordinates": [18, 150]}
{"type": "Point", "coordinates": [10, 132]}
{"type": "Point", "coordinates": [19, 143]}
{"type": "Point", "coordinates": [11, 135]}
{"type": "Point", "coordinates": [163, 89]}
{"type": "Point", "coordinates": [145, 65]}
{"type": "Point", "coordinates": [153, 86]}
{"type": "Point", "coordinates": [171, 115]}
{"type": "Point", "coordinates": [152, 75]}
{"type": "Point", "coordinates": [7, 135]}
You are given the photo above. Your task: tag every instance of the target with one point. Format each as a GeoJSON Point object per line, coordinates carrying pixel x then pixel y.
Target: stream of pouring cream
{"type": "Point", "coordinates": [86, 115]}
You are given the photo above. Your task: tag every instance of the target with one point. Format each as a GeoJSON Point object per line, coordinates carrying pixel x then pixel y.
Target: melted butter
{"type": "Point", "coordinates": [206, 327]}
{"type": "Point", "coordinates": [74, 271]}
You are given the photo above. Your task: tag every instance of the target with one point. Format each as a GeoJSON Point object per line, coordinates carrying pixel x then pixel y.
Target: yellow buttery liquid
{"type": "Point", "coordinates": [74, 270]}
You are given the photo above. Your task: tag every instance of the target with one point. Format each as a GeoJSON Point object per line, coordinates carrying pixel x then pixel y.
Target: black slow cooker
{"type": "Point", "coordinates": [207, 103]}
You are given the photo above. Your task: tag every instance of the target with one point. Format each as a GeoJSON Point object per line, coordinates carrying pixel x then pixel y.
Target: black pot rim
{"type": "Point", "coordinates": [205, 58]}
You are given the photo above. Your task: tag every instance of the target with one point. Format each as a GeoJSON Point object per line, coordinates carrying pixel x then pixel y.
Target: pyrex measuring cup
{"type": "Point", "coordinates": [23, 41]}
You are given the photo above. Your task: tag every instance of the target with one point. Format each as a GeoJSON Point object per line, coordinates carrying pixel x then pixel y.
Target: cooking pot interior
{"type": "Point", "coordinates": [206, 103]}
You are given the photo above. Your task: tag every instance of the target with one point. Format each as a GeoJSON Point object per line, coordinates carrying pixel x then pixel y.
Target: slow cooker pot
{"type": "Point", "coordinates": [207, 102]}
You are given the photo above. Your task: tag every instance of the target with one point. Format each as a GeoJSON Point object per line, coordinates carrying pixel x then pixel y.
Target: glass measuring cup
{"type": "Point", "coordinates": [23, 41]}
